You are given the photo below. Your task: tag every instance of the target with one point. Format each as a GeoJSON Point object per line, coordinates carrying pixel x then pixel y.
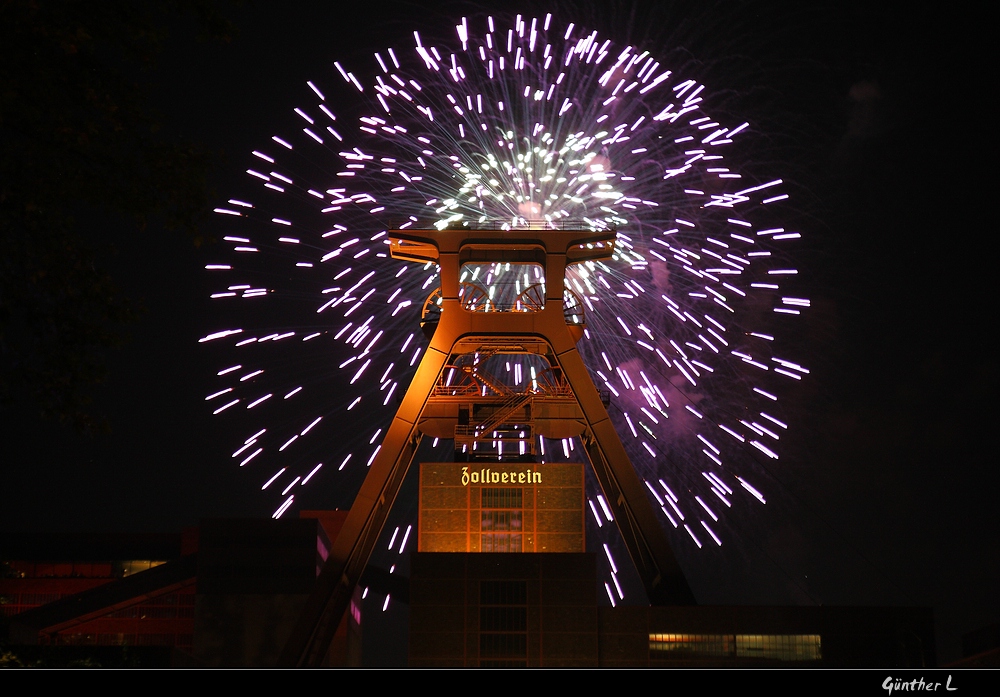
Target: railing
{"type": "Point", "coordinates": [525, 224]}
{"type": "Point", "coordinates": [505, 410]}
{"type": "Point", "coordinates": [468, 434]}
{"type": "Point", "coordinates": [484, 380]}
{"type": "Point", "coordinates": [560, 391]}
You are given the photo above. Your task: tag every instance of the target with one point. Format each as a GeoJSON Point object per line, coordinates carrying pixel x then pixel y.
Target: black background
{"type": "Point", "coordinates": [879, 120]}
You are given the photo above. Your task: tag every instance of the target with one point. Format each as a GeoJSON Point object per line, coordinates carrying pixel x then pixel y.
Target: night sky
{"type": "Point", "coordinates": [878, 119]}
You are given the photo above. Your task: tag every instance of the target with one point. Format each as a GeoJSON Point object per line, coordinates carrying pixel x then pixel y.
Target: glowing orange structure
{"type": "Point", "coordinates": [465, 325]}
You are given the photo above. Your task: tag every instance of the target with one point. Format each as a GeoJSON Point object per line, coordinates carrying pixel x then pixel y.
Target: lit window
{"type": "Point", "coordinates": [500, 520]}
{"type": "Point", "coordinates": [777, 647]}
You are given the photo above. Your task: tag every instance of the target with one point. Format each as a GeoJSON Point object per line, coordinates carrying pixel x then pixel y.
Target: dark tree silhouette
{"type": "Point", "coordinates": [78, 144]}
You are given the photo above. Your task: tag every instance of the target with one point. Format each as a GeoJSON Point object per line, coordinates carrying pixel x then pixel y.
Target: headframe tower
{"type": "Point", "coordinates": [466, 324]}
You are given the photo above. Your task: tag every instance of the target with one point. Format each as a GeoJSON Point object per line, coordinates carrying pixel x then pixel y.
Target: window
{"type": "Point", "coordinates": [777, 647]}
{"type": "Point", "coordinates": [501, 520]}
{"type": "Point", "coordinates": [503, 624]}
{"type": "Point", "coordinates": [503, 593]}
{"type": "Point", "coordinates": [783, 647]}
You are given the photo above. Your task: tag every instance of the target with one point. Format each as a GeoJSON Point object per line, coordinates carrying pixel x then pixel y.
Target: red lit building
{"type": "Point", "coordinates": [223, 594]}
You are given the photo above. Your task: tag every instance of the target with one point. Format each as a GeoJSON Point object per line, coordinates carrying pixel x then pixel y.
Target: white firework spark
{"type": "Point", "coordinates": [519, 123]}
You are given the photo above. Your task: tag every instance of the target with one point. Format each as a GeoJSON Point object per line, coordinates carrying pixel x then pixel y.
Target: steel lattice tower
{"type": "Point", "coordinates": [546, 321]}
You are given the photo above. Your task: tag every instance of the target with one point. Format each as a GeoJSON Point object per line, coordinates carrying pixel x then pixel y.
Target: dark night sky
{"type": "Point", "coordinates": [888, 493]}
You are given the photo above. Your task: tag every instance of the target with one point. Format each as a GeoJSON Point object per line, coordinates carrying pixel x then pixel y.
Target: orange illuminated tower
{"type": "Point", "coordinates": [452, 396]}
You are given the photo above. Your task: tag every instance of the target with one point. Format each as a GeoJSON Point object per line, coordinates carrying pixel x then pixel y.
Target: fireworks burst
{"type": "Point", "coordinates": [530, 123]}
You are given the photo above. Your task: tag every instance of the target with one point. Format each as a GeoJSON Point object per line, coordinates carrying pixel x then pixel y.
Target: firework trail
{"type": "Point", "coordinates": [512, 123]}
